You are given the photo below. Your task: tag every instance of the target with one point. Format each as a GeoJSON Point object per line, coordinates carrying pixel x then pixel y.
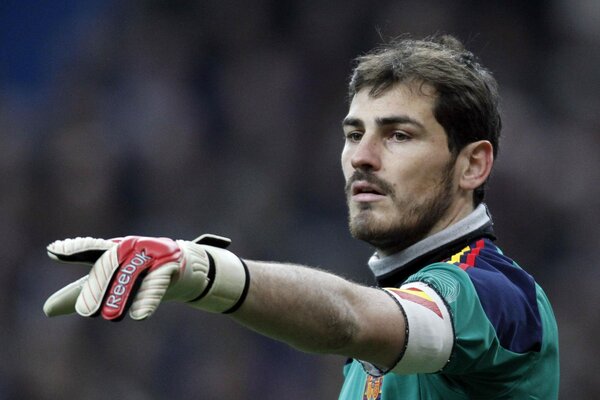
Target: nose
{"type": "Point", "coordinates": [366, 155]}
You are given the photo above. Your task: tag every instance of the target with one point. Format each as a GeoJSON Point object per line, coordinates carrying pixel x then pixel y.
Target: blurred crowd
{"type": "Point", "coordinates": [177, 118]}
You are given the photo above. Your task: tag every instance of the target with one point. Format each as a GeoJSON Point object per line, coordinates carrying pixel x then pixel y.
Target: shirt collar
{"type": "Point", "coordinates": [479, 220]}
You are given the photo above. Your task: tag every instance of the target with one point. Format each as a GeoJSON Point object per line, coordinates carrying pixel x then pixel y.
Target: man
{"type": "Point", "coordinates": [456, 319]}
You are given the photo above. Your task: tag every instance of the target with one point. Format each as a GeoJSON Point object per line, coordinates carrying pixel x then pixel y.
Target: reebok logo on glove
{"type": "Point", "coordinates": [124, 278]}
{"type": "Point", "coordinates": [137, 256]}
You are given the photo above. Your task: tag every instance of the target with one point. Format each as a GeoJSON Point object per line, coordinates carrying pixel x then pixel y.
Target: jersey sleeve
{"type": "Point", "coordinates": [474, 338]}
{"type": "Point", "coordinates": [429, 331]}
{"type": "Point", "coordinates": [445, 329]}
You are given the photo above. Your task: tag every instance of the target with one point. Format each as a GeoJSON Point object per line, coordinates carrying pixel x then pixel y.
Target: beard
{"type": "Point", "coordinates": [411, 219]}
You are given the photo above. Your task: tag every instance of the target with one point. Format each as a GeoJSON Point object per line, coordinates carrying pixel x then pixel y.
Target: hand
{"type": "Point", "coordinates": [138, 273]}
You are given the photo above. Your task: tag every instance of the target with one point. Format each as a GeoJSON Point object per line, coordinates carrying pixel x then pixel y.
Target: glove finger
{"type": "Point", "coordinates": [63, 301]}
{"type": "Point", "coordinates": [86, 250]}
{"type": "Point", "coordinates": [152, 291]}
{"type": "Point", "coordinates": [93, 290]}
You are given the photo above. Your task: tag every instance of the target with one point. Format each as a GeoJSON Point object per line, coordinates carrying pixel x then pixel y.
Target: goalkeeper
{"type": "Point", "coordinates": [452, 317]}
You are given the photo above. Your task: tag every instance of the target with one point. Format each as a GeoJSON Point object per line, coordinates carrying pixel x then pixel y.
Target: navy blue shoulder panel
{"type": "Point", "coordinates": [508, 296]}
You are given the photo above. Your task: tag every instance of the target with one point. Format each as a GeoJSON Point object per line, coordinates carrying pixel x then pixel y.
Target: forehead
{"type": "Point", "coordinates": [414, 99]}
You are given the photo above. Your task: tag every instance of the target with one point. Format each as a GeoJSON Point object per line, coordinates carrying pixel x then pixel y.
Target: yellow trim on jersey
{"type": "Point", "coordinates": [456, 258]}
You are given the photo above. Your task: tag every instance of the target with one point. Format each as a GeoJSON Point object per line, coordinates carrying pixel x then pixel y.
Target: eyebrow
{"type": "Point", "coordinates": [382, 121]}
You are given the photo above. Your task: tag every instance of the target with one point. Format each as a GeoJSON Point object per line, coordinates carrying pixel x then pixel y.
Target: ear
{"type": "Point", "coordinates": [476, 160]}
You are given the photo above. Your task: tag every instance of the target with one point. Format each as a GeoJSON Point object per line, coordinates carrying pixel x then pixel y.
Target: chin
{"type": "Point", "coordinates": [385, 232]}
{"type": "Point", "coordinates": [370, 228]}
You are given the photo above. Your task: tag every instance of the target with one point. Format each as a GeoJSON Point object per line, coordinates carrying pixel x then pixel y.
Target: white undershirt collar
{"type": "Point", "coordinates": [478, 219]}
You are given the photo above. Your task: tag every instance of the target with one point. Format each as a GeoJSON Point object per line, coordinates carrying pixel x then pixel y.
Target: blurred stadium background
{"type": "Point", "coordinates": [177, 118]}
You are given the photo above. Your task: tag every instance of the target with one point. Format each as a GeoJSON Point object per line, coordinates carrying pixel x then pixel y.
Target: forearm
{"type": "Point", "coordinates": [316, 311]}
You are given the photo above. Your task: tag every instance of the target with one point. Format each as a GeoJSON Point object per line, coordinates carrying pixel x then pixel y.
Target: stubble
{"type": "Point", "coordinates": [412, 218]}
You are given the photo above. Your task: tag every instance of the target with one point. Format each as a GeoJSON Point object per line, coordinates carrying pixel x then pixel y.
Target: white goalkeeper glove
{"type": "Point", "coordinates": [137, 273]}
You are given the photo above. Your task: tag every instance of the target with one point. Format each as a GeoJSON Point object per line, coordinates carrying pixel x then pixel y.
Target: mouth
{"type": "Point", "coordinates": [363, 191]}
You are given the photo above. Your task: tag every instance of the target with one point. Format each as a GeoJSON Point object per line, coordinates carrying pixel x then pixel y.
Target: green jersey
{"type": "Point", "coordinates": [505, 339]}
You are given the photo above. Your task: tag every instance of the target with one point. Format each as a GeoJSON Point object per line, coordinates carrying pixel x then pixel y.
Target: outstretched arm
{"type": "Point", "coordinates": [316, 311]}
{"type": "Point", "coordinates": [309, 309]}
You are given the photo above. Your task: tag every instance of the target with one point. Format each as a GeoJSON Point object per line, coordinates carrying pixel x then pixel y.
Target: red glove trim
{"type": "Point", "coordinates": [137, 256]}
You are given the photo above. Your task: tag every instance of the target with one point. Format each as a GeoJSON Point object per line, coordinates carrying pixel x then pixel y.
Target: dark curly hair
{"type": "Point", "coordinates": [467, 94]}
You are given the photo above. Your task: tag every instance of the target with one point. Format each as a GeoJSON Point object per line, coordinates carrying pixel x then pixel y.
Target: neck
{"type": "Point", "coordinates": [477, 224]}
{"type": "Point", "coordinates": [458, 210]}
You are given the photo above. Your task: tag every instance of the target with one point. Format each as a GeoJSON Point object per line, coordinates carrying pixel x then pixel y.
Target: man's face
{"type": "Point", "coordinates": [398, 168]}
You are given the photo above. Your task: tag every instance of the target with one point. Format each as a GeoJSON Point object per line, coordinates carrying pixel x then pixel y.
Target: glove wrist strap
{"type": "Point", "coordinates": [228, 285]}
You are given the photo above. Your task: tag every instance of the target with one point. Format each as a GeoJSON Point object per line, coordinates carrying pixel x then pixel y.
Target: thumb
{"type": "Point", "coordinates": [63, 301]}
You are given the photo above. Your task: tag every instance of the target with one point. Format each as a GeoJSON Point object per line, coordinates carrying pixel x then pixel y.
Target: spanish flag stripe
{"type": "Point", "coordinates": [456, 258]}
{"type": "Point", "coordinates": [466, 258]}
{"type": "Point", "coordinates": [418, 300]}
{"type": "Point", "coordinates": [475, 252]}
{"type": "Point", "coordinates": [471, 260]}
{"type": "Point", "coordinates": [416, 292]}
{"type": "Point", "coordinates": [464, 266]}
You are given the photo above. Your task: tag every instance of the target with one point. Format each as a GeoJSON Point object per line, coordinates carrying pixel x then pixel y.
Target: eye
{"type": "Point", "coordinates": [354, 136]}
{"type": "Point", "coordinates": [399, 136]}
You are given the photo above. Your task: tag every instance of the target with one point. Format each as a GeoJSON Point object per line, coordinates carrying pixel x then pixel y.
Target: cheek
{"type": "Point", "coordinates": [346, 164]}
{"type": "Point", "coordinates": [416, 178]}
{"type": "Point", "coordinates": [433, 176]}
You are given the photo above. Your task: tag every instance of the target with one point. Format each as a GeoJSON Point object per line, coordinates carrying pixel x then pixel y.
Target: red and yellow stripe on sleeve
{"type": "Point", "coordinates": [417, 296]}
